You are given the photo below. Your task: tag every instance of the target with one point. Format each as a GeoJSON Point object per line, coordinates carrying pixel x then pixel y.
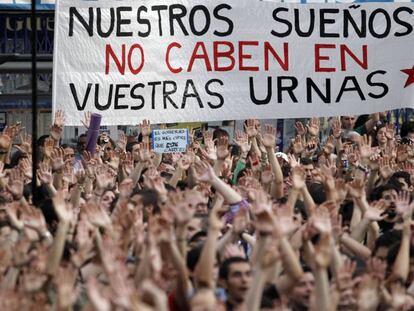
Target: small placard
{"type": "Point", "coordinates": [170, 140]}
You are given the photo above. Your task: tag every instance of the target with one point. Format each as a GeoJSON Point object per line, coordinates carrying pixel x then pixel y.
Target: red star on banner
{"type": "Point", "coordinates": [410, 79]}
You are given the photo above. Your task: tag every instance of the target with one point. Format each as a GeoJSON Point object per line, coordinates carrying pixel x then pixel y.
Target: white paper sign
{"type": "Point", "coordinates": [170, 140]}
{"type": "Point", "coordinates": [197, 60]}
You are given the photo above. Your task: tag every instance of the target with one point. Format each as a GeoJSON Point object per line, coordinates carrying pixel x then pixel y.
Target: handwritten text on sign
{"type": "Point", "coordinates": [218, 60]}
{"type": "Point", "coordinates": [170, 140]}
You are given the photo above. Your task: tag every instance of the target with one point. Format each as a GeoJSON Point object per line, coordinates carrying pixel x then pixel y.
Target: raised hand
{"type": "Point", "coordinates": [65, 281]}
{"type": "Point", "coordinates": [203, 171]}
{"type": "Point", "coordinates": [298, 145]}
{"type": "Point", "coordinates": [385, 167]}
{"type": "Point", "coordinates": [96, 215]}
{"type": "Point", "coordinates": [62, 208]}
{"type": "Point", "coordinates": [376, 211]}
{"type": "Point", "coordinates": [222, 148]}
{"type": "Point", "coordinates": [403, 206]}
{"type": "Point", "coordinates": [250, 128]}
{"type": "Point", "coordinates": [242, 141]}
{"type": "Point", "coordinates": [145, 127]}
{"type": "Point", "coordinates": [44, 173]}
{"type": "Point", "coordinates": [86, 119]}
{"type": "Point", "coordinates": [25, 166]}
{"type": "Point", "coordinates": [5, 141]}
{"type": "Point", "coordinates": [267, 175]}
{"type": "Point", "coordinates": [269, 136]}
{"type": "Point", "coordinates": [300, 128]}
{"type": "Point", "coordinates": [336, 128]}
{"type": "Point", "coordinates": [57, 159]}
{"type": "Point", "coordinates": [298, 177]}
{"type": "Point", "coordinates": [356, 188]}
{"type": "Point", "coordinates": [122, 141]}
{"type": "Point", "coordinates": [313, 127]}
{"type": "Point", "coordinates": [16, 183]}
{"type": "Point", "coordinates": [57, 127]}
{"type": "Point", "coordinates": [329, 145]}
{"type": "Point", "coordinates": [25, 144]}
{"type": "Point", "coordinates": [365, 147]}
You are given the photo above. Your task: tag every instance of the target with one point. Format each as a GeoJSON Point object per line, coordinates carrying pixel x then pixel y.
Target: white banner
{"type": "Point", "coordinates": [193, 60]}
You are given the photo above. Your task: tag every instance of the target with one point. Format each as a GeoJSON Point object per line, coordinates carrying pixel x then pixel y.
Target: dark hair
{"type": "Point", "coordinates": [406, 128]}
{"type": "Point", "coordinates": [401, 174]}
{"type": "Point", "coordinates": [130, 145]}
{"type": "Point", "coordinates": [220, 133]}
{"type": "Point", "coordinates": [377, 192]}
{"type": "Point", "coordinates": [317, 192]}
{"type": "Point", "coordinates": [387, 239]}
{"type": "Point", "coordinates": [192, 257]}
{"type": "Point", "coordinates": [306, 161]}
{"type": "Point", "coordinates": [225, 266]}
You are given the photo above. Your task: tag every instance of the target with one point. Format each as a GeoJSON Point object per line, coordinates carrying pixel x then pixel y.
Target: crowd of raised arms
{"type": "Point", "coordinates": [228, 225]}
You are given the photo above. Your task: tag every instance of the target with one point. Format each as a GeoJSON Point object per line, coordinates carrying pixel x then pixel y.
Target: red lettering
{"type": "Point", "coordinates": [203, 56]}
{"type": "Point", "coordinates": [119, 64]}
{"type": "Point", "coordinates": [319, 58]}
{"type": "Point", "coordinates": [130, 65]}
{"type": "Point", "coordinates": [268, 49]}
{"type": "Point", "coordinates": [345, 50]}
{"type": "Point", "coordinates": [243, 56]}
{"type": "Point", "coordinates": [167, 57]}
{"type": "Point", "coordinates": [223, 54]}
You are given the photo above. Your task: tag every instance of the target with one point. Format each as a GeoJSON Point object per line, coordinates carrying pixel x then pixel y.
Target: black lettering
{"type": "Point", "coordinates": [79, 106]}
{"type": "Point", "coordinates": [283, 21]}
{"type": "Point", "coordinates": [215, 94]}
{"type": "Point", "coordinates": [288, 88]}
{"type": "Point", "coordinates": [192, 18]}
{"type": "Point", "coordinates": [311, 23]}
{"type": "Point", "coordinates": [344, 88]}
{"type": "Point", "coordinates": [253, 97]}
{"type": "Point", "coordinates": [101, 33]}
{"type": "Point", "coordinates": [159, 8]}
{"type": "Point", "coordinates": [219, 17]}
{"type": "Point", "coordinates": [325, 21]}
{"type": "Point", "coordinates": [118, 96]}
{"type": "Point", "coordinates": [194, 94]}
{"type": "Point", "coordinates": [401, 22]}
{"type": "Point", "coordinates": [178, 17]}
{"type": "Point", "coordinates": [87, 25]}
{"type": "Point", "coordinates": [144, 21]}
{"type": "Point", "coordinates": [387, 24]}
{"type": "Point", "coordinates": [166, 93]}
{"type": "Point", "coordinates": [154, 85]}
{"type": "Point", "coordinates": [137, 96]}
{"type": "Point", "coordinates": [311, 85]}
{"type": "Point", "coordinates": [108, 104]}
{"type": "Point", "coordinates": [361, 31]}
{"type": "Point", "coordinates": [378, 84]}
{"type": "Point", "coordinates": [122, 21]}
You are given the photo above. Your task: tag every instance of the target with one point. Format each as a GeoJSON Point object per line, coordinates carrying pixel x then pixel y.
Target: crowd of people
{"type": "Point", "coordinates": [231, 224]}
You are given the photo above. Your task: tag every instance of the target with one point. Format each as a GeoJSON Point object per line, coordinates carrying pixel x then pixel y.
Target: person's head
{"type": "Point", "coordinates": [196, 224]}
{"type": "Point", "coordinates": [407, 130]}
{"type": "Point", "coordinates": [403, 178]}
{"type": "Point", "coordinates": [301, 293]}
{"type": "Point", "coordinates": [379, 136]}
{"type": "Point", "coordinates": [107, 199]}
{"type": "Point", "coordinates": [308, 166]}
{"type": "Point", "coordinates": [235, 275]}
{"type": "Point", "coordinates": [69, 153]}
{"type": "Point", "coordinates": [81, 144]}
{"type": "Point", "coordinates": [348, 122]}
{"type": "Point", "coordinates": [219, 133]}
{"type": "Point", "coordinates": [133, 147]}
{"type": "Point", "coordinates": [384, 242]}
